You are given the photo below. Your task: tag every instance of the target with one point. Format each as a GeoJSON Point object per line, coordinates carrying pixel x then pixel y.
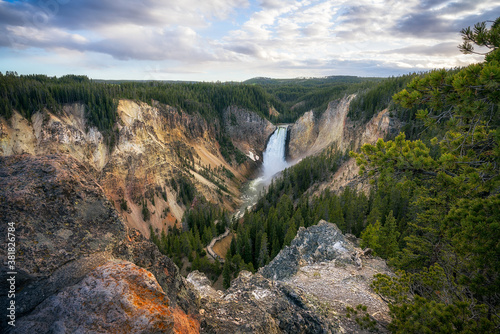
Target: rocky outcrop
{"type": "Point", "coordinates": [332, 273]}
{"type": "Point", "coordinates": [318, 243]}
{"type": "Point", "coordinates": [248, 131]}
{"type": "Point", "coordinates": [254, 304]}
{"type": "Point", "coordinates": [65, 228]}
{"type": "Point", "coordinates": [118, 297]}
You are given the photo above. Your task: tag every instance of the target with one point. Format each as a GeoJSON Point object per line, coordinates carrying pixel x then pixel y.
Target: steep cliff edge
{"type": "Point", "coordinates": [309, 135]}
{"type": "Point", "coordinates": [248, 131]}
{"type": "Point", "coordinates": [332, 272]}
{"type": "Point", "coordinates": [155, 144]}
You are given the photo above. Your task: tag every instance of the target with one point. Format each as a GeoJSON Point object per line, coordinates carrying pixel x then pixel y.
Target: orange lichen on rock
{"type": "Point", "coordinates": [119, 297]}
{"type": "Point", "coordinates": [185, 324]}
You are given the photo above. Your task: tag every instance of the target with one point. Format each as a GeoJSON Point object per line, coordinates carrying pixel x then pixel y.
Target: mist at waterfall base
{"type": "Point", "coordinates": [274, 161]}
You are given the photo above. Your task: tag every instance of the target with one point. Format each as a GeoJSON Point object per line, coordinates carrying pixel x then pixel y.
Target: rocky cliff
{"type": "Point", "coordinates": [76, 261]}
{"type": "Point", "coordinates": [248, 131]}
{"type": "Point", "coordinates": [310, 135]}
{"type": "Point", "coordinates": [332, 272]}
{"type": "Point", "coordinates": [306, 288]}
{"type": "Point", "coordinates": [155, 144]}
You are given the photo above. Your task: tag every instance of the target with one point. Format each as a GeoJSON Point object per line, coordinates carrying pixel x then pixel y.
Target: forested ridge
{"type": "Point", "coordinates": [31, 93]}
{"type": "Point", "coordinates": [300, 95]}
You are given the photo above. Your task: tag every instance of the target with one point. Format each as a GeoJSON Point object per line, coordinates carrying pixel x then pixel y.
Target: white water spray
{"type": "Point", "coordinates": [274, 159]}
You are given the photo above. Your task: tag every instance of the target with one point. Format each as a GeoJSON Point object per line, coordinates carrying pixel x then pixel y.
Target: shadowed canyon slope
{"type": "Point", "coordinates": [310, 135]}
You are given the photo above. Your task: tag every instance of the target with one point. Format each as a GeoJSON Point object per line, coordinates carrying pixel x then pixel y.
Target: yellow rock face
{"type": "Point", "coordinates": [156, 143]}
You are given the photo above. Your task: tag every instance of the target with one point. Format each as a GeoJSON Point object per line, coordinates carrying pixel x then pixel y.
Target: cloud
{"type": "Point", "coordinates": [93, 14]}
{"type": "Point", "coordinates": [444, 19]}
{"type": "Point", "coordinates": [307, 37]}
{"type": "Point", "coordinates": [147, 29]}
{"type": "Point", "coordinates": [152, 44]}
{"type": "Point", "coordinates": [441, 49]}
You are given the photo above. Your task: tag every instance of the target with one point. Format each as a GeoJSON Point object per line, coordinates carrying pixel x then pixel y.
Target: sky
{"type": "Point", "coordinates": [235, 40]}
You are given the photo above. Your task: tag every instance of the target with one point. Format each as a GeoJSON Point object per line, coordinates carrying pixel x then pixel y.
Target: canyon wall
{"type": "Point", "coordinates": [310, 135]}
{"type": "Point", "coordinates": [248, 131]}
{"type": "Point", "coordinates": [155, 144]}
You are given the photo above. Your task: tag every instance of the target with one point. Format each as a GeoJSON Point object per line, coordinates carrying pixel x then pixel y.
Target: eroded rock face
{"type": "Point", "coordinates": [64, 224]}
{"type": "Point", "coordinates": [65, 228]}
{"type": "Point", "coordinates": [248, 131]}
{"type": "Point", "coordinates": [117, 297]}
{"type": "Point", "coordinates": [309, 135]}
{"type": "Point", "coordinates": [332, 273]}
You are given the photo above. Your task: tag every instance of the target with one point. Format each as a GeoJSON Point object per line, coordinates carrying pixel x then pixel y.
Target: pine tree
{"type": "Point", "coordinates": [226, 273]}
{"type": "Point", "coordinates": [264, 252]}
{"type": "Point", "coordinates": [371, 237]}
{"type": "Point", "coordinates": [389, 237]}
{"type": "Point", "coordinates": [290, 233]}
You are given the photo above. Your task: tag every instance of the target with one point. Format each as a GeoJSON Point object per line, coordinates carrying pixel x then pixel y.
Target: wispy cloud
{"type": "Point", "coordinates": [261, 37]}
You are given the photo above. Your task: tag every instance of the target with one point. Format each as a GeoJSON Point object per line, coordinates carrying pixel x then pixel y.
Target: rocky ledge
{"type": "Point", "coordinates": [305, 289]}
{"type": "Point", "coordinates": [333, 274]}
{"type": "Point", "coordinates": [117, 297]}
{"type": "Point", "coordinates": [318, 243]}
{"type": "Point", "coordinates": [255, 304]}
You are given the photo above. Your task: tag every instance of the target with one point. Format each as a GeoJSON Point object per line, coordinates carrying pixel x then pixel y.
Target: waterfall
{"type": "Point", "coordinates": [274, 159]}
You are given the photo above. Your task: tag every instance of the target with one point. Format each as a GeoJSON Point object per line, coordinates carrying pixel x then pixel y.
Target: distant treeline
{"type": "Point", "coordinates": [31, 93]}
{"type": "Point", "coordinates": [291, 98]}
